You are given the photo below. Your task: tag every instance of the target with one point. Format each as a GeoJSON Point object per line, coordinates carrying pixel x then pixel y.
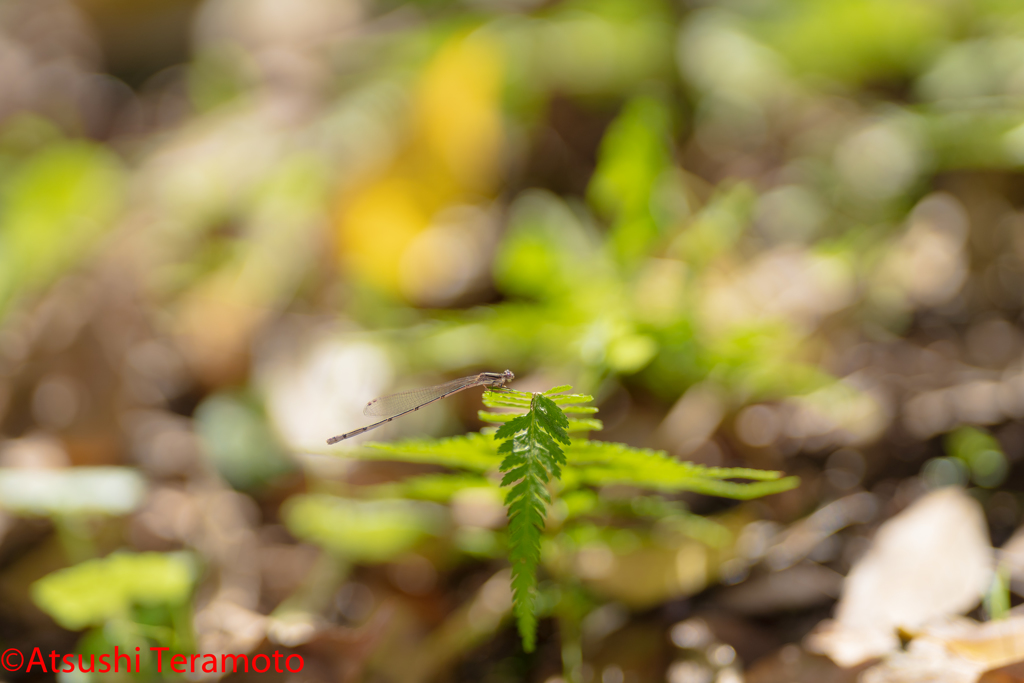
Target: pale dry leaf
{"type": "Point", "coordinates": [993, 644]}
{"type": "Point", "coordinates": [1011, 555]}
{"type": "Point", "coordinates": [931, 560]}
{"type": "Point", "coordinates": [924, 660]}
{"type": "Point", "coordinates": [954, 650]}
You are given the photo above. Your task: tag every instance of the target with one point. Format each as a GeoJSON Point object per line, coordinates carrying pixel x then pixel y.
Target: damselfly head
{"type": "Point", "coordinates": [507, 377]}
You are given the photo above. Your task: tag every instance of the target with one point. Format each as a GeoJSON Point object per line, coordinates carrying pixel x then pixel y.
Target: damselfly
{"type": "Point", "coordinates": [397, 405]}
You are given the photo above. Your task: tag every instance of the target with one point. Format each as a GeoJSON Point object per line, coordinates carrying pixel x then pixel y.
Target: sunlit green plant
{"type": "Point", "coordinates": [132, 600]}
{"type": "Point", "coordinates": [540, 463]}
{"type": "Point", "coordinates": [532, 459]}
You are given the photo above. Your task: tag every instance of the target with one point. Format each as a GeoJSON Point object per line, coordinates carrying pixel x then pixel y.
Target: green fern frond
{"type": "Point", "coordinates": [506, 403]}
{"type": "Point", "coordinates": [575, 425]}
{"type": "Point", "coordinates": [438, 488]}
{"type": "Point", "coordinates": [530, 444]}
{"type": "Point", "coordinates": [590, 463]}
{"type": "Point", "coordinates": [496, 418]}
{"type": "Point", "coordinates": [507, 398]}
{"type": "Point", "coordinates": [473, 452]}
{"type": "Point", "coordinates": [568, 399]}
{"type": "Point", "coordinates": [584, 424]}
{"type": "Point", "coordinates": [599, 463]}
{"type": "Point", "coordinates": [567, 403]}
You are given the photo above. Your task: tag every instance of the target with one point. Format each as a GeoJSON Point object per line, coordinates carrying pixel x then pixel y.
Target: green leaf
{"type": "Point", "coordinates": [439, 488]}
{"type": "Point", "coordinates": [510, 428]}
{"type": "Point", "coordinates": [96, 591]}
{"type": "Point", "coordinates": [522, 397]}
{"type": "Point", "coordinates": [502, 402]}
{"type": "Point", "coordinates": [361, 531]}
{"type": "Point", "coordinates": [567, 399]}
{"type": "Point", "coordinates": [496, 418]}
{"type": "Point", "coordinates": [532, 458]}
{"type": "Point", "coordinates": [717, 228]}
{"type": "Point", "coordinates": [578, 409]}
{"type": "Point", "coordinates": [473, 452]}
{"type": "Point", "coordinates": [997, 599]}
{"type": "Point", "coordinates": [53, 210]}
{"type": "Point", "coordinates": [584, 425]}
{"type": "Point", "coordinates": [552, 419]}
{"type": "Point", "coordinates": [575, 425]}
{"type": "Point", "coordinates": [634, 154]}
{"type": "Point", "coordinates": [857, 41]}
{"type": "Point", "coordinates": [545, 250]}
{"type": "Point", "coordinates": [598, 463]}
{"type": "Point", "coordinates": [982, 454]}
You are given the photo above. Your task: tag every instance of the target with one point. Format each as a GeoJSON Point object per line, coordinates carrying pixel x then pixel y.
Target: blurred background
{"type": "Point", "coordinates": [780, 234]}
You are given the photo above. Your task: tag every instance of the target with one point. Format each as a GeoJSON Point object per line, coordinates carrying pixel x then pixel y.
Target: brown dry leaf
{"type": "Point", "coordinates": [931, 560]}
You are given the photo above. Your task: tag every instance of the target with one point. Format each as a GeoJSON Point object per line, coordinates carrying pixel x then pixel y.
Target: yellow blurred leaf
{"type": "Point", "coordinates": [378, 223]}
{"type": "Point", "coordinates": [451, 157]}
{"type": "Point", "coordinates": [457, 111]}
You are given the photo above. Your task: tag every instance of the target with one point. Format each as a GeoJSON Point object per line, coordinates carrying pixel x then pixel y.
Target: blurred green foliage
{"type": "Point", "coordinates": [634, 156]}
{"type": "Point", "coordinates": [96, 591]}
{"type": "Point", "coordinates": [367, 531]}
{"type": "Point", "coordinates": [57, 202]}
{"type": "Point", "coordinates": [982, 455]}
{"type": "Point", "coordinates": [857, 41]}
{"type": "Point", "coordinates": [238, 441]}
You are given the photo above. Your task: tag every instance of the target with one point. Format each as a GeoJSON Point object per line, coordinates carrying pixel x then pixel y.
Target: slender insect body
{"type": "Point", "coordinates": [406, 402]}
